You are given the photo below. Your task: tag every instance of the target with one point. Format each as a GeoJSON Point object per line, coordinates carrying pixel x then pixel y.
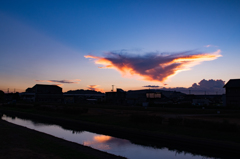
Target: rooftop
{"type": "Point", "coordinates": [232, 83]}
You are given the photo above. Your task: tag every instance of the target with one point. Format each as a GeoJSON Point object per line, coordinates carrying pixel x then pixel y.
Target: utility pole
{"type": "Point", "coordinates": [8, 90]}
{"type": "Point", "coordinates": [112, 88]}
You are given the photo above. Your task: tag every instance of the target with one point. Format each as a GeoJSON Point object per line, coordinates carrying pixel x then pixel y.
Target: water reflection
{"type": "Point", "coordinates": [102, 142]}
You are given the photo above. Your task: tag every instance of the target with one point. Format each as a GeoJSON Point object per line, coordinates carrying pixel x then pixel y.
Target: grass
{"type": "Point", "coordinates": [22, 143]}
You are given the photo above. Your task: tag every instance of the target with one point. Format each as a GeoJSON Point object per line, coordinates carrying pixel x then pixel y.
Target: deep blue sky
{"type": "Point", "coordinates": [46, 40]}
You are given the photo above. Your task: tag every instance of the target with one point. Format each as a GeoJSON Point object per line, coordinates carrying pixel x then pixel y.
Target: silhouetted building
{"type": "Point", "coordinates": [233, 92]}
{"type": "Point", "coordinates": [44, 93]}
{"type": "Point", "coordinates": [118, 98]}
{"type": "Point", "coordinates": [83, 98]}
{"type": "Point", "coordinates": [202, 100]}
{"type": "Point", "coordinates": [141, 97]}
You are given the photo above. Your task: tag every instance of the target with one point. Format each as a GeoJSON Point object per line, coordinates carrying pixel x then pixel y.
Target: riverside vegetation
{"type": "Point", "coordinates": [164, 120]}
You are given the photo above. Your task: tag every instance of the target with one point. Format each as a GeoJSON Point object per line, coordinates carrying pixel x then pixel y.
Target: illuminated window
{"type": "Point", "coordinates": [153, 95]}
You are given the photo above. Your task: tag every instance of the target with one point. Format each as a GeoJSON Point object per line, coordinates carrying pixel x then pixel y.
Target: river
{"type": "Point", "coordinates": [113, 145]}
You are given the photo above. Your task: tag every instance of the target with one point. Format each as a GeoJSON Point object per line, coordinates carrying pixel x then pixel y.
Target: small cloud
{"type": "Point", "coordinates": [151, 86]}
{"type": "Point", "coordinates": [210, 46]}
{"type": "Point", "coordinates": [93, 88]}
{"type": "Point", "coordinates": [76, 81]}
{"type": "Point", "coordinates": [39, 80]}
{"type": "Point", "coordinates": [60, 85]}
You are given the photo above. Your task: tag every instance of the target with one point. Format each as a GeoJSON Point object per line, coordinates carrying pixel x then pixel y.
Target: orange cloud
{"type": "Point", "coordinates": [93, 88]}
{"type": "Point", "coordinates": [60, 85]}
{"type": "Point", "coordinates": [153, 66]}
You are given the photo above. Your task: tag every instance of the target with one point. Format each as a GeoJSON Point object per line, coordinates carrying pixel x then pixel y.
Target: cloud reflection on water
{"type": "Point", "coordinates": [105, 142]}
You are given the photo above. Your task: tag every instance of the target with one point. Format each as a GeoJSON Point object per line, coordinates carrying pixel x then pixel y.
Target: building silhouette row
{"type": "Point", "coordinates": [53, 94]}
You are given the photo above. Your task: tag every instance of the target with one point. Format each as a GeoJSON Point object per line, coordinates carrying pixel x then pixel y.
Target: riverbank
{"type": "Point", "coordinates": [21, 142]}
{"type": "Point", "coordinates": [208, 147]}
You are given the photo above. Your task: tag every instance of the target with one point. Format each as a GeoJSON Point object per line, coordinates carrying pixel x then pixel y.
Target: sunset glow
{"type": "Point", "coordinates": [93, 47]}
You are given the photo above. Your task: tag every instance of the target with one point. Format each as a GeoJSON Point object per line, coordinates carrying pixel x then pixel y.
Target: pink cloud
{"type": "Point", "coordinates": [210, 46]}
{"type": "Point", "coordinates": [93, 88]}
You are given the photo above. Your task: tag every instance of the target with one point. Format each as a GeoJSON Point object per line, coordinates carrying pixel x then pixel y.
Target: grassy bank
{"type": "Point", "coordinates": [20, 142]}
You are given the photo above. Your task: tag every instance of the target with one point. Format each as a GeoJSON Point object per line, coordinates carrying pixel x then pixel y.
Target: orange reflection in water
{"type": "Point", "coordinates": [102, 138]}
{"type": "Point", "coordinates": [99, 142]}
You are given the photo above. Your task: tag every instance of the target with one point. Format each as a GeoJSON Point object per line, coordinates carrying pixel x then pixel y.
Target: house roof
{"type": "Point", "coordinates": [232, 83]}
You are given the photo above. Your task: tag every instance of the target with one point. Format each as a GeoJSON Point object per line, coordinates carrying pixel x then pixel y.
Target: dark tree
{"type": "Point", "coordinates": [16, 96]}
{"type": "Point", "coordinates": [2, 94]}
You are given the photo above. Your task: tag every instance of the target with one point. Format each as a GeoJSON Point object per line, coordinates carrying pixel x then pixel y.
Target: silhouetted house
{"type": "Point", "coordinates": [83, 96]}
{"type": "Point", "coordinates": [200, 102]}
{"type": "Point", "coordinates": [8, 97]}
{"type": "Point", "coordinates": [117, 98]}
{"type": "Point", "coordinates": [157, 97]}
{"type": "Point", "coordinates": [141, 97]}
{"type": "Point", "coordinates": [29, 97]}
{"type": "Point", "coordinates": [174, 96]}
{"type": "Point", "coordinates": [233, 92]}
{"type": "Point", "coordinates": [186, 100]}
{"type": "Point", "coordinates": [44, 93]}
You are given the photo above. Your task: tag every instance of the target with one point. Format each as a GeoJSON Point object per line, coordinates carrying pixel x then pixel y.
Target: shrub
{"type": "Point", "coordinates": [210, 125]}
{"type": "Point", "coordinates": [137, 118]}
{"type": "Point", "coordinates": [175, 121]}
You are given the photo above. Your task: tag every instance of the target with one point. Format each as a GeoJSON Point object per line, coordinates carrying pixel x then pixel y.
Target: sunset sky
{"type": "Point", "coordinates": [94, 44]}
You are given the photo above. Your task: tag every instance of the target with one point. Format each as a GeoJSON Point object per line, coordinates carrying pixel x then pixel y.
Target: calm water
{"type": "Point", "coordinates": [106, 143]}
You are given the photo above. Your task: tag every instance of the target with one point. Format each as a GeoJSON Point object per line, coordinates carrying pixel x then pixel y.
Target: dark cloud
{"type": "Point", "coordinates": [204, 86]}
{"type": "Point", "coordinates": [153, 66]}
{"type": "Point", "coordinates": [151, 86]}
{"type": "Point", "coordinates": [62, 81]}
{"type": "Point", "coordinates": [76, 81]}
{"type": "Point", "coordinates": [208, 84]}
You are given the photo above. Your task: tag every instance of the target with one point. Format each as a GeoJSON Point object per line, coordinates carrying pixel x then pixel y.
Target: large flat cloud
{"type": "Point", "coordinates": [151, 86]}
{"type": "Point", "coordinates": [76, 81]}
{"type": "Point", "coordinates": [153, 66]}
